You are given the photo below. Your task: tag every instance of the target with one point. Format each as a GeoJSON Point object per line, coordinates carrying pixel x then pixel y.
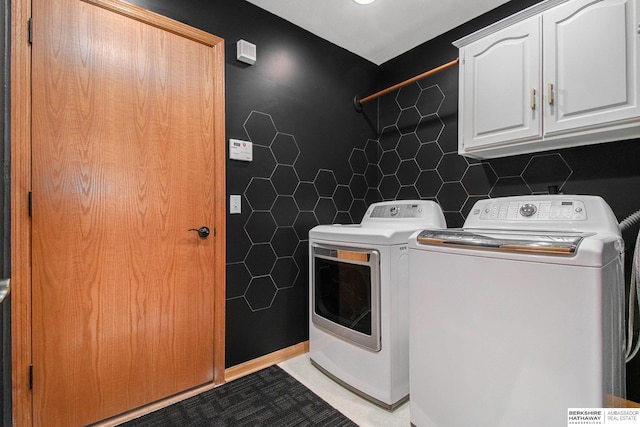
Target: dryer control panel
{"type": "Point", "coordinates": [411, 210]}
{"type": "Point", "coordinates": [540, 210]}
{"type": "Point", "coordinates": [403, 214]}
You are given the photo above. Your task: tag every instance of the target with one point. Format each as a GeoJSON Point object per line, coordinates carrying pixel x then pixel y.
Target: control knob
{"type": "Point", "coordinates": [527, 210]}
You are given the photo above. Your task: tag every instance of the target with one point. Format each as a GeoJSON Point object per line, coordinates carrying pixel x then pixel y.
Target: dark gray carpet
{"type": "Point", "coordinates": [269, 397]}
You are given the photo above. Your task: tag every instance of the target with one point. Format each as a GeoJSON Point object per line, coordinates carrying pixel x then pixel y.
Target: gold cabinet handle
{"type": "Point", "coordinates": [532, 99]}
{"type": "Point", "coordinates": [550, 94]}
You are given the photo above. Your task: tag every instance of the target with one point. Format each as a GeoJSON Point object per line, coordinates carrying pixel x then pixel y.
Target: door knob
{"type": "Point", "coordinates": [203, 232]}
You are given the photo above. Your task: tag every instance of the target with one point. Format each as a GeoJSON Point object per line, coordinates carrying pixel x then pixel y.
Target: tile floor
{"type": "Point", "coordinates": [359, 410]}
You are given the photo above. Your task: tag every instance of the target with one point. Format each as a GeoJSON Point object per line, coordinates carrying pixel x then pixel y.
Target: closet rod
{"type": "Point", "coordinates": [357, 103]}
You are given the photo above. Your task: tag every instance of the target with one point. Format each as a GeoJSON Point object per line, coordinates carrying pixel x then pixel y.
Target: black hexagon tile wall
{"type": "Point", "coordinates": [407, 161]}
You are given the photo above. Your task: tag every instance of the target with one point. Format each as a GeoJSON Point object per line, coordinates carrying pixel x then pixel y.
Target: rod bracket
{"type": "Point", "coordinates": [356, 103]}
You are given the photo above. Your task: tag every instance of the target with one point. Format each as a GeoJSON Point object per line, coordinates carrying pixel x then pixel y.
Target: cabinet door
{"type": "Point", "coordinates": [591, 70]}
{"type": "Point", "coordinates": [500, 77]}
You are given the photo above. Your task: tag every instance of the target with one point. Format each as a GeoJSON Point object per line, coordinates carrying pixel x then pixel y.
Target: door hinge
{"type": "Point", "coordinates": [30, 35]}
{"type": "Point", "coordinates": [30, 204]}
{"type": "Point", "coordinates": [30, 377]}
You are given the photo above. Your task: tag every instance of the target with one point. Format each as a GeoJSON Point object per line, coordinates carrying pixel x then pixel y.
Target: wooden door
{"type": "Point", "coordinates": [501, 76]}
{"type": "Point", "coordinates": [126, 131]}
{"type": "Point", "coordinates": [591, 64]}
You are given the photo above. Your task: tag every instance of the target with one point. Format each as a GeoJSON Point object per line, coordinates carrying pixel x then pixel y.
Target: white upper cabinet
{"type": "Point", "coordinates": [561, 73]}
{"type": "Point", "coordinates": [590, 64]}
{"type": "Point", "coordinates": [500, 82]}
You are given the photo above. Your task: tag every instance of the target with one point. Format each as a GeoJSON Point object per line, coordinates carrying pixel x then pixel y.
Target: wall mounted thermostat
{"type": "Point", "coordinates": [240, 150]}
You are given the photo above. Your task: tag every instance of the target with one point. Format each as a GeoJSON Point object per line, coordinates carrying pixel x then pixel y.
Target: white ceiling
{"type": "Point", "coordinates": [381, 30]}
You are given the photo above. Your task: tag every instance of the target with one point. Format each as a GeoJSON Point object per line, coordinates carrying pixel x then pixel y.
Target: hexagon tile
{"type": "Point", "coordinates": [409, 161]}
{"type": "Point", "coordinates": [281, 211]}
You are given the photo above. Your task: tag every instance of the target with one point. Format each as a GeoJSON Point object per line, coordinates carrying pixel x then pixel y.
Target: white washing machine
{"type": "Point", "coordinates": [359, 290]}
{"type": "Point", "coordinates": [517, 316]}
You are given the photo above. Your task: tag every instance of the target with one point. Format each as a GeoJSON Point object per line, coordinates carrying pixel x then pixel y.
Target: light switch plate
{"type": "Point", "coordinates": [235, 204]}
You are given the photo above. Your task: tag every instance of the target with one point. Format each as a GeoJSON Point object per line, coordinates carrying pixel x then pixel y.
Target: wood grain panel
{"type": "Point", "coordinates": [20, 222]}
{"type": "Point", "coordinates": [128, 151]}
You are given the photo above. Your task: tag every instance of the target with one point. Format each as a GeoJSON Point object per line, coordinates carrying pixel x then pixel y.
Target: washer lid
{"type": "Point", "coordinates": [519, 241]}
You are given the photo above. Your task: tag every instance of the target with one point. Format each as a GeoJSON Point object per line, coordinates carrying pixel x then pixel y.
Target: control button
{"type": "Point", "coordinates": [528, 210]}
{"type": "Point", "coordinates": [578, 209]}
{"type": "Point", "coordinates": [394, 210]}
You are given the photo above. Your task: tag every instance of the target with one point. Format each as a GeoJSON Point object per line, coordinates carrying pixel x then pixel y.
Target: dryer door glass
{"type": "Point", "coordinates": [345, 293]}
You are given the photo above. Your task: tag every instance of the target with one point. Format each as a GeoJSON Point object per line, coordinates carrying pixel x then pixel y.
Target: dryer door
{"type": "Point", "coordinates": [346, 293]}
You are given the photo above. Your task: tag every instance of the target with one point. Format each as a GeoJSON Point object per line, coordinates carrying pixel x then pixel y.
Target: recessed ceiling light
{"type": "Point", "coordinates": [364, 1]}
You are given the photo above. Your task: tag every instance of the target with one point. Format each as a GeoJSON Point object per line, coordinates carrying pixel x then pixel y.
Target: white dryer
{"type": "Point", "coordinates": [359, 290]}
{"type": "Point", "coordinates": [517, 316]}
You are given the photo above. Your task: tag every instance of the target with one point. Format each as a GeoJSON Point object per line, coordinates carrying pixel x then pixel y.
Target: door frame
{"type": "Point", "coordinates": [20, 129]}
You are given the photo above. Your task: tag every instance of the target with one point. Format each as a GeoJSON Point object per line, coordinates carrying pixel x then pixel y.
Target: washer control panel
{"type": "Point", "coordinates": [540, 210]}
